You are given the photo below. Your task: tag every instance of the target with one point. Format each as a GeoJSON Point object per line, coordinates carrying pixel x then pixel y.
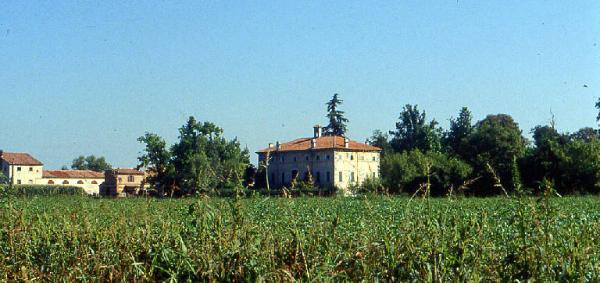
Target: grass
{"type": "Point", "coordinates": [275, 239]}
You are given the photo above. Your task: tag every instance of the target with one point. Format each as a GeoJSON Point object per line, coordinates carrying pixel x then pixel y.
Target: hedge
{"type": "Point", "coordinates": [41, 190]}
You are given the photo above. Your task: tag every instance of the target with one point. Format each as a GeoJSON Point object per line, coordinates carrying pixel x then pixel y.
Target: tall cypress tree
{"type": "Point", "coordinates": [337, 121]}
{"type": "Point", "coordinates": [598, 106]}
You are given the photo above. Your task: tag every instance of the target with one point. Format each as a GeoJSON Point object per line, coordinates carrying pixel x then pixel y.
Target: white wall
{"type": "Point", "coordinates": [25, 174]}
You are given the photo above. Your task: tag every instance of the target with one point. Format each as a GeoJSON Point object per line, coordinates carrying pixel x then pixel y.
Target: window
{"type": "Point", "coordinates": [341, 177]}
{"type": "Point", "coordinates": [352, 177]}
{"type": "Point", "coordinates": [318, 157]}
{"type": "Point", "coordinates": [18, 182]}
{"type": "Point", "coordinates": [65, 182]}
{"type": "Point", "coordinates": [283, 178]}
{"type": "Point", "coordinates": [50, 182]}
{"type": "Point", "coordinates": [327, 157]}
{"type": "Point", "coordinates": [351, 156]}
{"type": "Point", "coordinates": [30, 169]}
{"type": "Point", "coordinates": [328, 177]}
{"type": "Point", "coordinates": [18, 168]}
{"type": "Point", "coordinates": [120, 179]}
{"type": "Point", "coordinates": [295, 160]}
{"type": "Point", "coordinates": [80, 182]}
{"type": "Point", "coordinates": [374, 158]}
{"type": "Point", "coordinates": [306, 158]}
{"type": "Point", "coordinates": [318, 177]}
{"type": "Point", "coordinates": [130, 179]}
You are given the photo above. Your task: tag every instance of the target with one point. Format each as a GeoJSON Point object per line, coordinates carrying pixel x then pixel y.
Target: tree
{"type": "Point", "coordinates": [586, 134]}
{"type": "Point", "coordinates": [337, 121]}
{"type": "Point", "coordinates": [495, 143]}
{"type": "Point", "coordinates": [413, 132]}
{"type": "Point", "coordinates": [598, 107]}
{"type": "Point", "coordinates": [381, 140]}
{"type": "Point", "coordinates": [570, 162]}
{"type": "Point", "coordinates": [456, 139]}
{"type": "Point", "coordinates": [204, 160]}
{"type": "Point", "coordinates": [91, 162]}
{"type": "Point", "coordinates": [157, 160]}
{"type": "Point", "coordinates": [435, 173]}
{"type": "Point", "coordinates": [3, 179]}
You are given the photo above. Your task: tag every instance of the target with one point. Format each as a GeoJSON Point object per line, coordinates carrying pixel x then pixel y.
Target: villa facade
{"type": "Point", "coordinates": [330, 161]}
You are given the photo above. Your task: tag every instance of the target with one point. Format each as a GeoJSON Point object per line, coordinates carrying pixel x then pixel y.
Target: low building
{"type": "Point", "coordinates": [122, 181]}
{"type": "Point", "coordinates": [327, 160]}
{"type": "Point", "coordinates": [21, 168]}
{"type": "Point", "coordinates": [88, 180]}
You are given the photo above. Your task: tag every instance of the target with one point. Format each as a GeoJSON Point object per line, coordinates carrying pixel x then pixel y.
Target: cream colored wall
{"type": "Point", "coordinates": [317, 163]}
{"type": "Point", "coordinates": [26, 176]}
{"type": "Point", "coordinates": [87, 186]}
{"type": "Point", "coordinates": [364, 165]}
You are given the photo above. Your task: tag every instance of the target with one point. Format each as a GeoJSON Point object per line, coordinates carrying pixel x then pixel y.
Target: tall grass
{"type": "Point", "coordinates": [275, 239]}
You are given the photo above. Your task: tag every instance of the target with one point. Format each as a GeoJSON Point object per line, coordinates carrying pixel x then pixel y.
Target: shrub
{"type": "Point", "coordinates": [41, 190]}
{"type": "Point", "coordinates": [408, 171]}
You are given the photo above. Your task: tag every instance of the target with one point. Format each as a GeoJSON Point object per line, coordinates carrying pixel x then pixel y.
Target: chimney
{"type": "Point", "coordinates": [313, 143]}
{"type": "Point", "coordinates": [318, 131]}
{"type": "Point", "coordinates": [346, 143]}
{"type": "Point", "coordinates": [277, 145]}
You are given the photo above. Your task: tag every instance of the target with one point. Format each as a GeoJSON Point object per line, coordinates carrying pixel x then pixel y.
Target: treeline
{"type": "Point", "coordinates": [489, 157]}
{"type": "Point", "coordinates": [483, 158]}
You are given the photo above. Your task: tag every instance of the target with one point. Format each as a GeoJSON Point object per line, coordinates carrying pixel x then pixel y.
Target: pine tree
{"type": "Point", "coordinates": [337, 121]}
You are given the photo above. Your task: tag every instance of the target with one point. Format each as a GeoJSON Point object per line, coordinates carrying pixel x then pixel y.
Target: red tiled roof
{"type": "Point", "coordinates": [14, 158]}
{"type": "Point", "coordinates": [72, 174]}
{"type": "Point", "coordinates": [127, 171]}
{"type": "Point", "coordinates": [326, 142]}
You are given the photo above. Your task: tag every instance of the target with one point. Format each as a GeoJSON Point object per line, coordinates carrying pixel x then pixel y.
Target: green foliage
{"type": "Point", "coordinates": [381, 140]}
{"type": "Point", "coordinates": [91, 162]}
{"type": "Point", "coordinates": [201, 161]}
{"type": "Point", "coordinates": [65, 239]}
{"type": "Point", "coordinates": [496, 142]}
{"type": "Point", "coordinates": [598, 107]}
{"type": "Point", "coordinates": [456, 140]}
{"type": "Point", "coordinates": [571, 162]}
{"type": "Point", "coordinates": [433, 173]}
{"type": "Point", "coordinates": [413, 132]}
{"type": "Point", "coordinates": [3, 179]}
{"type": "Point", "coordinates": [41, 190]}
{"type": "Point", "coordinates": [156, 158]}
{"type": "Point", "coordinates": [337, 121]}
{"type": "Point", "coordinates": [369, 186]}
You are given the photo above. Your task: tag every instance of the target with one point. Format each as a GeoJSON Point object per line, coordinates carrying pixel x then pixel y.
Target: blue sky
{"type": "Point", "coordinates": [90, 77]}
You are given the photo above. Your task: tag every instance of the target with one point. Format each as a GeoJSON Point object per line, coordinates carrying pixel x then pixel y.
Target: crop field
{"type": "Point", "coordinates": [56, 238]}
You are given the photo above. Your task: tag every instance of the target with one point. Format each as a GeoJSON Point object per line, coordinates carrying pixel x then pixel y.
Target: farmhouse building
{"type": "Point", "coordinates": [21, 168]}
{"type": "Point", "coordinates": [327, 160]}
{"type": "Point", "coordinates": [88, 180]}
{"type": "Point", "coordinates": [122, 181]}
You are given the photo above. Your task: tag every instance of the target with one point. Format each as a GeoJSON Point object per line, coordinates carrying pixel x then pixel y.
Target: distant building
{"type": "Point", "coordinates": [329, 160]}
{"type": "Point", "coordinates": [21, 168]}
{"type": "Point", "coordinates": [88, 180]}
{"type": "Point", "coordinates": [122, 181]}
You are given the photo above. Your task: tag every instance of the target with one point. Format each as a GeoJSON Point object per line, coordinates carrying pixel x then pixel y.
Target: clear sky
{"type": "Point", "coordinates": [89, 77]}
